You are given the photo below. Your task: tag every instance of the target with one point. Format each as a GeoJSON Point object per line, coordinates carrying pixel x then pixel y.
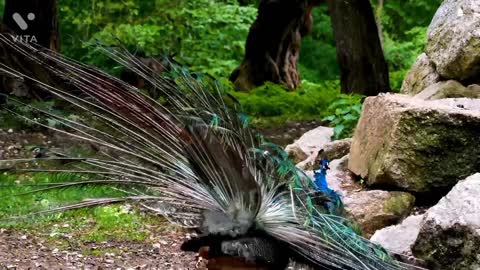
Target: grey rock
{"type": "Point", "coordinates": [19, 88]}
{"type": "Point", "coordinates": [475, 88]}
{"type": "Point", "coordinates": [450, 236]}
{"type": "Point", "coordinates": [416, 145]}
{"type": "Point", "coordinates": [449, 89]}
{"type": "Point", "coordinates": [420, 76]}
{"type": "Point", "coordinates": [296, 154]}
{"type": "Point", "coordinates": [376, 209]}
{"type": "Point", "coordinates": [370, 209]}
{"type": "Point", "coordinates": [399, 238]}
{"type": "Point", "coordinates": [309, 164]}
{"type": "Point", "coordinates": [453, 42]}
{"type": "Point", "coordinates": [333, 150]}
{"type": "Point", "coordinates": [310, 143]}
{"type": "Point", "coordinates": [314, 140]}
{"type": "Point", "coordinates": [337, 149]}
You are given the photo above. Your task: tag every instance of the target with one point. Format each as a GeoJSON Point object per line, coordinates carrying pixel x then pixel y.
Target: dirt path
{"type": "Point", "coordinates": [20, 251]}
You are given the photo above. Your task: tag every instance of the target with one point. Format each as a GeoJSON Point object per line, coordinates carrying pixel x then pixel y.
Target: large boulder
{"type": "Point", "coordinates": [450, 235]}
{"type": "Point", "coordinates": [449, 89]}
{"type": "Point", "coordinates": [421, 75]}
{"type": "Point", "coordinates": [453, 43]}
{"type": "Point", "coordinates": [399, 238]}
{"type": "Point", "coordinates": [370, 209]}
{"type": "Point", "coordinates": [309, 144]}
{"type": "Point", "coordinates": [416, 145]}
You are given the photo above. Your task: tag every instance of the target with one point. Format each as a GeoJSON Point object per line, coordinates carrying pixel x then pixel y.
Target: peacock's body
{"type": "Point", "coordinates": [198, 155]}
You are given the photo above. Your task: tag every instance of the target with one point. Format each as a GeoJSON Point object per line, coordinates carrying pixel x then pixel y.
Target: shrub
{"type": "Point", "coordinates": [401, 54]}
{"type": "Point", "coordinates": [205, 35]}
{"type": "Point", "coordinates": [344, 115]}
{"type": "Point", "coordinates": [274, 104]}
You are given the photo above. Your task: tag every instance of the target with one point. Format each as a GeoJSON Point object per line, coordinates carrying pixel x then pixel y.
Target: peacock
{"type": "Point", "coordinates": [333, 203]}
{"type": "Point", "coordinates": [194, 158]}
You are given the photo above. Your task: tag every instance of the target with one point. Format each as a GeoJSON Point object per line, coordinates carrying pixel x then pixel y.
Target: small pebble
{"type": "Point", "coordinates": [156, 248]}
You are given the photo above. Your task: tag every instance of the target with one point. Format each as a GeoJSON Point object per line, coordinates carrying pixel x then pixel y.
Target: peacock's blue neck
{"type": "Point", "coordinates": [321, 177]}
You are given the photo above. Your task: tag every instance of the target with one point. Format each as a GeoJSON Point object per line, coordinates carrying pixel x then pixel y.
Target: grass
{"type": "Point", "coordinates": [104, 223]}
{"type": "Point", "coordinates": [14, 205]}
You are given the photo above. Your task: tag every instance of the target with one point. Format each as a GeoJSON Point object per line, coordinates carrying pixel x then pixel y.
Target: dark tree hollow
{"type": "Point", "coordinates": [273, 44]}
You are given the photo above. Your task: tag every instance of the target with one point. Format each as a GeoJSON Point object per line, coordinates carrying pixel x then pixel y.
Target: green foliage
{"type": "Point", "coordinates": [113, 222]}
{"type": "Point", "coordinates": [318, 59]}
{"type": "Point", "coordinates": [206, 35]}
{"type": "Point", "coordinates": [272, 103]}
{"type": "Point", "coordinates": [404, 28]}
{"type": "Point", "coordinates": [2, 8]}
{"type": "Point", "coordinates": [405, 25]}
{"type": "Point", "coordinates": [209, 36]}
{"type": "Point", "coordinates": [401, 54]}
{"type": "Point", "coordinates": [345, 113]}
{"type": "Point", "coordinates": [400, 16]}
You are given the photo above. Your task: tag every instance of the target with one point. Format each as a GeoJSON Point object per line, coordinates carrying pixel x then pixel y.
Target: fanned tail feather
{"type": "Point", "coordinates": [196, 154]}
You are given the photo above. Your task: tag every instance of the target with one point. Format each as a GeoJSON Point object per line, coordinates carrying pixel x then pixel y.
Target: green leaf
{"type": "Point", "coordinates": [329, 118]}
{"type": "Point", "coordinates": [337, 130]}
{"type": "Point", "coordinates": [350, 117]}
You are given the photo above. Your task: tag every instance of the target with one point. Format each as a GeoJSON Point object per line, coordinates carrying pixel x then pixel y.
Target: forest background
{"type": "Point", "coordinates": [208, 36]}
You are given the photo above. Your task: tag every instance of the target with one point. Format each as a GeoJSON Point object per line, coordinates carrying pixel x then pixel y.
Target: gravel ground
{"type": "Point", "coordinates": [27, 251]}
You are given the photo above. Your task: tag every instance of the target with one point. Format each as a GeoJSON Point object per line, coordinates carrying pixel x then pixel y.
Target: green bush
{"type": "Point", "coordinates": [344, 115]}
{"type": "Point", "coordinates": [272, 103]}
{"type": "Point", "coordinates": [401, 54]}
{"type": "Point", "coordinates": [205, 35]}
{"type": "Point", "coordinates": [318, 59]}
{"type": "Point", "coordinates": [400, 16]}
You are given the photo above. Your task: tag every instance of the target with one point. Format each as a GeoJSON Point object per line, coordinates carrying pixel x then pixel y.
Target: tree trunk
{"type": "Point", "coordinates": [33, 21]}
{"type": "Point", "coordinates": [359, 51]}
{"type": "Point", "coordinates": [273, 44]}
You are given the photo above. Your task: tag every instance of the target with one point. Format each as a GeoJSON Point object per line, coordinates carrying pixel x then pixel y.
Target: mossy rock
{"type": "Point", "coordinates": [377, 209]}
{"type": "Point", "coordinates": [416, 145]}
{"type": "Point", "coordinates": [450, 235]}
